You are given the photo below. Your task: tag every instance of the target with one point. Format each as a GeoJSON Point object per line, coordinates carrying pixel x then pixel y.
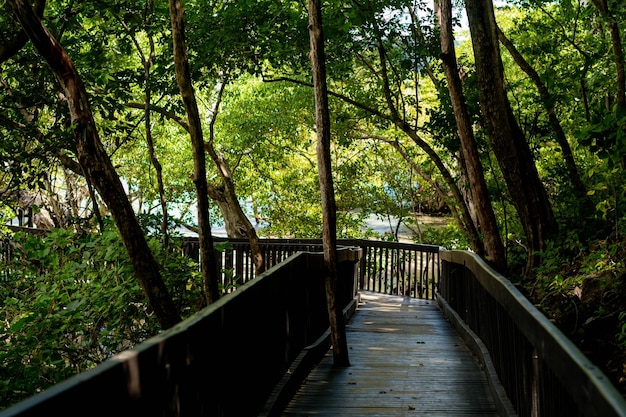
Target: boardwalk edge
{"type": "Point", "coordinates": [504, 405]}
{"type": "Point", "coordinates": [300, 369]}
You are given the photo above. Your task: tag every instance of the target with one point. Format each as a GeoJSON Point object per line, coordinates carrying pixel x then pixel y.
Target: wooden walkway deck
{"type": "Point", "coordinates": [406, 360]}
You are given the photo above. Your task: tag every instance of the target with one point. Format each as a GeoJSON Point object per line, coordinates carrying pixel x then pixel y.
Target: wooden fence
{"type": "Point", "coordinates": [385, 267]}
{"type": "Point", "coordinates": [538, 368]}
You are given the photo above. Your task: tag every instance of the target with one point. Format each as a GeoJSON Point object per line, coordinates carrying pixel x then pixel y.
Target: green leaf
{"type": "Point", "coordinates": [74, 305]}
{"type": "Point", "coordinates": [24, 320]}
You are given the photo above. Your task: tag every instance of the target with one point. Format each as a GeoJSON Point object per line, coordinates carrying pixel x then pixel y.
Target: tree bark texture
{"type": "Point", "coordinates": [507, 140]}
{"type": "Point", "coordinates": [9, 47]}
{"type": "Point", "coordinates": [494, 248]}
{"type": "Point", "coordinates": [237, 223]}
{"type": "Point", "coordinates": [183, 78]}
{"type": "Point", "coordinates": [329, 207]}
{"type": "Point", "coordinates": [548, 104]}
{"type": "Point", "coordinates": [96, 165]}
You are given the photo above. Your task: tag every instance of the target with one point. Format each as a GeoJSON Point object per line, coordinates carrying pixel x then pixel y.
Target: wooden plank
{"type": "Point", "coordinates": [406, 360]}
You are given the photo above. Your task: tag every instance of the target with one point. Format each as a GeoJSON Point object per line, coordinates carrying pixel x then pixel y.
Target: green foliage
{"type": "Point", "coordinates": [449, 236]}
{"type": "Point", "coordinates": [607, 137]}
{"type": "Point", "coordinates": [71, 301]}
{"type": "Point", "coordinates": [581, 285]}
{"type": "Point", "coordinates": [621, 336]}
{"type": "Point", "coordinates": [74, 295]}
{"type": "Point", "coordinates": [606, 140]}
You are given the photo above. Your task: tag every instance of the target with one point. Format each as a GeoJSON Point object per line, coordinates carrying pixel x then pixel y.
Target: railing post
{"type": "Point", "coordinates": [347, 259]}
{"type": "Point", "coordinates": [362, 267]}
{"type": "Point", "coordinates": [535, 396]}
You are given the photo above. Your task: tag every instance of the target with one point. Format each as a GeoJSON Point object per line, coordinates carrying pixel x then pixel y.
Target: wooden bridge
{"type": "Point", "coordinates": [430, 332]}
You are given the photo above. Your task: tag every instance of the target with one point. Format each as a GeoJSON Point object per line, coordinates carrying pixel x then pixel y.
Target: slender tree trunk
{"type": "Point", "coordinates": [183, 78]}
{"type": "Point", "coordinates": [227, 200]}
{"type": "Point", "coordinates": [96, 165]}
{"type": "Point", "coordinates": [464, 213]}
{"type": "Point", "coordinates": [401, 122]}
{"type": "Point", "coordinates": [151, 149]}
{"type": "Point", "coordinates": [329, 208]}
{"type": "Point", "coordinates": [494, 248]}
{"type": "Point", "coordinates": [438, 189]}
{"type": "Point", "coordinates": [148, 62]}
{"type": "Point", "coordinates": [616, 43]}
{"type": "Point", "coordinates": [237, 223]}
{"type": "Point", "coordinates": [507, 139]}
{"type": "Point", "coordinates": [548, 104]}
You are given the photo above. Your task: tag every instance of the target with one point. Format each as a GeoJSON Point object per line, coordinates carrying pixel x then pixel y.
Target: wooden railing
{"type": "Point", "coordinates": [23, 218]}
{"type": "Point", "coordinates": [539, 369]}
{"type": "Point", "coordinates": [385, 267]}
{"type": "Point", "coordinates": [224, 361]}
{"type": "Point", "coordinates": [230, 358]}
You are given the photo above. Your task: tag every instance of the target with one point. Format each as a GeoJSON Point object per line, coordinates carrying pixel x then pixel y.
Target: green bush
{"type": "Point", "coordinates": [71, 301]}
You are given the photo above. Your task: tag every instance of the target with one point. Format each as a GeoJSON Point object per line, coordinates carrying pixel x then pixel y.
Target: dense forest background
{"type": "Point", "coordinates": [125, 124]}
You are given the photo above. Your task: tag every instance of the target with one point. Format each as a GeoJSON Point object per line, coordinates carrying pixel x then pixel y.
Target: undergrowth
{"type": "Point", "coordinates": [70, 301]}
{"type": "Point", "coordinates": [581, 286]}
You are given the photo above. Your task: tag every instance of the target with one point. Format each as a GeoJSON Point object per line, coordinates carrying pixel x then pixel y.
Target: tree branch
{"type": "Point", "coordinates": [173, 117]}
{"type": "Point", "coordinates": [12, 46]}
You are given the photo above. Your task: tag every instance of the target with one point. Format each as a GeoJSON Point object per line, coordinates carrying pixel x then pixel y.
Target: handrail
{"type": "Point", "coordinates": [223, 361]}
{"type": "Point", "coordinates": [541, 370]}
{"type": "Point", "coordinates": [385, 267]}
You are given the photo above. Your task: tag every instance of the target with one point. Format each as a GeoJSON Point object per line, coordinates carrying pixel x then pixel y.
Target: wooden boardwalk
{"type": "Point", "coordinates": [406, 360]}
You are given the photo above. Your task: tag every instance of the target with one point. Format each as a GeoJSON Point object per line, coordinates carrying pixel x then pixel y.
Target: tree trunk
{"type": "Point", "coordinates": [329, 208]}
{"type": "Point", "coordinates": [401, 122]}
{"type": "Point", "coordinates": [494, 248]}
{"type": "Point", "coordinates": [96, 165]}
{"type": "Point", "coordinates": [548, 104]}
{"type": "Point", "coordinates": [183, 78]}
{"type": "Point", "coordinates": [147, 64]}
{"type": "Point", "coordinates": [237, 223]}
{"type": "Point", "coordinates": [508, 142]}
{"type": "Point", "coordinates": [445, 197]}
{"type": "Point", "coordinates": [616, 43]}
{"type": "Point", "coordinates": [464, 214]}
{"type": "Point", "coordinates": [234, 228]}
